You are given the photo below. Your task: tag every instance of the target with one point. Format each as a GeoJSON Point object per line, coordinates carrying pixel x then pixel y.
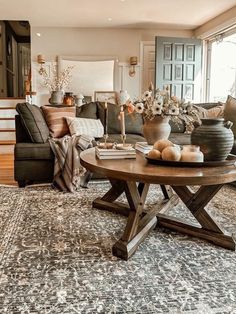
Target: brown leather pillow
{"type": "Point", "coordinates": [56, 119]}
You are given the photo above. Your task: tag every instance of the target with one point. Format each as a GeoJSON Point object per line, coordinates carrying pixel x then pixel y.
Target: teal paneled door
{"type": "Point", "coordinates": [178, 66]}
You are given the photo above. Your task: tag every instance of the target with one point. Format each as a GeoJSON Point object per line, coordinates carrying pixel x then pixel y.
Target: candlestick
{"type": "Point", "coordinates": [122, 124]}
{"type": "Point", "coordinates": [105, 140]}
{"type": "Point", "coordinates": [105, 118]}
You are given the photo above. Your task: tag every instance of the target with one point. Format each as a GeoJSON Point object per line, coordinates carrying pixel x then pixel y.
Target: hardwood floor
{"type": "Point", "coordinates": [7, 169]}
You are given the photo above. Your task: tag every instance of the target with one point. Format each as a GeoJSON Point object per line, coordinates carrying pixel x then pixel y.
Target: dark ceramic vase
{"type": "Point", "coordinates": [214, 138]}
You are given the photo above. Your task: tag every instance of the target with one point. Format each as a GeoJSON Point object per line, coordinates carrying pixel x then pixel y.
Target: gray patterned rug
{"type": "Point", "coordinates": [55, 257]}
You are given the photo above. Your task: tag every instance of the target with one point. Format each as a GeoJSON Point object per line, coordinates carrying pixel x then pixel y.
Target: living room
{"type": "Point", "coordinates": [64, 247]}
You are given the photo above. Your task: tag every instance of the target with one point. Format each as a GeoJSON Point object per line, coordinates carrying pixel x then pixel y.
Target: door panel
{"type": "Point", "coordinates": [178, 66]}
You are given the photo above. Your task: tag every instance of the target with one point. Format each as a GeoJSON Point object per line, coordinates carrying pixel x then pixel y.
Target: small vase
{"type": "Point", "coordinates": [69, 99]}
{"type": "Point", "coordinates": [56, 97]}
{"type": "Point", "coordinates": [156, 129]}
{"type": "Point", "coordinates": [214, 138]}
{"type": "Point", "coordinates": [191, 153]}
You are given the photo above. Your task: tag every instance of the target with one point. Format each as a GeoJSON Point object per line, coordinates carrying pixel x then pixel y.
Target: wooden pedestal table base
{"type": "Point", "coordinates": [124, 175]}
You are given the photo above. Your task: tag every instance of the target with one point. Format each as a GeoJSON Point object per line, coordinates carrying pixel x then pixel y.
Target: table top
{"type": "Point", "coordinates": [140, 170]}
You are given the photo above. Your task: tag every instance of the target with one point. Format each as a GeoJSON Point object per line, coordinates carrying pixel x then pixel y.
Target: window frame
{"type": "Point", "coordinates": [207, 60]}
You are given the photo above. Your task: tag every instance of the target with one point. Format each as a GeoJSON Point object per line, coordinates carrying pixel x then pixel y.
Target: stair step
{"type": "Point", "coordinates": [7, 130]}
{"type": "Point", "coordinates": [8, 118]}
{"type": "Point", "coordinates": [7, 108]}
{"type": "Point", "coordinates": [7, 142]}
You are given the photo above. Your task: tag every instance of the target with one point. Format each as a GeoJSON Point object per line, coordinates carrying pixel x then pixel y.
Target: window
{"type": "Point", "coordinates": [222, 67]}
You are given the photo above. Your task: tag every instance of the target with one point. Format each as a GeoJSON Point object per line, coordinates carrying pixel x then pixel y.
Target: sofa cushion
{"type": "Point", "coordinates": [91, 127]}
{"type": "Point", "coordinates": [34, 151]}
{"type": "Point", "coordinates": [208, 105]}
{"type": "Point", "coordinates": [230, 112]}
{"type": "Point", "coordinates": [88, 111]}
{"type": "Point", "coordinates": [133, 122]}
{"type": "Point", "coordinates": [56, 119]}
{"type": "Point", "coordinates": [33, 122]}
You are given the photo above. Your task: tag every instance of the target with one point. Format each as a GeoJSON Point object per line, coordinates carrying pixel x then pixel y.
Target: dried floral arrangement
{"type": "Point", "coordinates": [160, 103]}
{"type": "Point", "coordinates": [57, 82]}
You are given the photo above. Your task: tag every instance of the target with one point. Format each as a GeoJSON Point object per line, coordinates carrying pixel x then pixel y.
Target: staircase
{"type": "Point", "coordinates": [7, 125]}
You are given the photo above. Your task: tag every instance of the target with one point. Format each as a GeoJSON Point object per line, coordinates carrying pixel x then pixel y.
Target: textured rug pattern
{"type": "Point", "coordinates": [55, 257]}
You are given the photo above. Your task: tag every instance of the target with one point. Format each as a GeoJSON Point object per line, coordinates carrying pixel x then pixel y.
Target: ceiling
{"type": "Point", "coordinates": [179, 14]}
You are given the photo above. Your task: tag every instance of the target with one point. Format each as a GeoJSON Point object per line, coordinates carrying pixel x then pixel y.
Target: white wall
{"type": "Point", "coordinates": [119, 43]}
{"type": "Point", "coordinates": [122, 43]}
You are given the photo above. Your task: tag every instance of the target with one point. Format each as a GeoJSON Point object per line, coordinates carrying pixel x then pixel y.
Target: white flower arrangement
{"type": "Point", "coordinates": [57, 82]}
{"type": "Point", "coordinates": [160, 103]}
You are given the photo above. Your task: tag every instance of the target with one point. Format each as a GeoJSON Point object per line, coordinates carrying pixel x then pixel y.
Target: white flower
{"type": "Point", "coordinates": [157, 109]}
{"type": "Point", "coordinates": [147, 94]}
{"type": "Point", "coordinates": [173, 110]}
{"type": "Point", "coordinates": [139, 107]}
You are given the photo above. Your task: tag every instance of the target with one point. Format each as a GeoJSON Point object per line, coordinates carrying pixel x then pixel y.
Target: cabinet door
{"type": "Point", "coordinates": [178, 66]}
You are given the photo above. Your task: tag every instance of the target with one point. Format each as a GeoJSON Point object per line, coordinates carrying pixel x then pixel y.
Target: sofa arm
{"type": "Point", "coordinates": [21, 134]}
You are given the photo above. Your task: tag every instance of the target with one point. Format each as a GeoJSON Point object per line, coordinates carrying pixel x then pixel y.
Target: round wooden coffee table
{"type": "Point", "coordinates": [134, 176]}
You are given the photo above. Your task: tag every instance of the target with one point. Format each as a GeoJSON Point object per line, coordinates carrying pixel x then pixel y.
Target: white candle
{"type": "Point", "coordinates": [122, 121]}
{"type": "Point", "coordinates": [105, 118]}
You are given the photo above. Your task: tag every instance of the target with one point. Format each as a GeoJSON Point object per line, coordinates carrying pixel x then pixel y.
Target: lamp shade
{"type": "Point", "coordinates": [123, 97]}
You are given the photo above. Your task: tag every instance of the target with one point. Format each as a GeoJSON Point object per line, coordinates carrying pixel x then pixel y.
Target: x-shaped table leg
{"type": "Point", "coordinates": [196, 202]}
{"type": "Point", "coordinates": [138, 223]}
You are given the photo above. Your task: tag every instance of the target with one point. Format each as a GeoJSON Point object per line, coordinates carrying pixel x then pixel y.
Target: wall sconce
{"type": "Point", "coordinates": [41, 61]}
{"type": "Point", "coordinates": [133, 61]}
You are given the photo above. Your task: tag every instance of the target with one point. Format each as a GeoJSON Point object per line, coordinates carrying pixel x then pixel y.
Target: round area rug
{"type": "Point", "coordinates": [55, 257]}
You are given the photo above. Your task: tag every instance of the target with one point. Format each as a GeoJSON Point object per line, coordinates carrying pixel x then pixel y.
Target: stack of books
{"type": "Point", "coordinates": [143, 147]}
{"type": "Point", "coordinates": [115, 153]}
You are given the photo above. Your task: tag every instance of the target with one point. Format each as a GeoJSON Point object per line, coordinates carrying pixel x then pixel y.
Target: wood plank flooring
{"type": "Point", "coordinates": [7, 169]}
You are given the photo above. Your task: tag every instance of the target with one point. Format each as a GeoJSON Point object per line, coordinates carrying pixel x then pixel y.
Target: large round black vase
{"type": "Point", "coordinates": [214, 138]}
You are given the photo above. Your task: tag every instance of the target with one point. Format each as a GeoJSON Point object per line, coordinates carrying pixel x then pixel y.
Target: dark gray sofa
{"type": "Point", "coordinates": [34, 162]}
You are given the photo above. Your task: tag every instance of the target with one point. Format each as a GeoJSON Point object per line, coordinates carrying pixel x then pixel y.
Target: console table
{"type": "Point", "coordinates": [134, 176]}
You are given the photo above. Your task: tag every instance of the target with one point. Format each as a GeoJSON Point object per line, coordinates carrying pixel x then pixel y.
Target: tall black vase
{"type": "Point", "coordinates": [214, 138]}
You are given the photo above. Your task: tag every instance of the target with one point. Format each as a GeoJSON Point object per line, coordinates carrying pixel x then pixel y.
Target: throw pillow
{"type": "Point", "coordinates": [133, 122]}
{"type": "Point", "coordinates": [91, 127]}
{"type": "Point", "coordinates": [230, 112]}
{"type": "Point", "coordinates": [214, 112]}
{"type": "Point", "coordinates": [56, 119]}
{"type": "Point", "coordinates": [88, 111]}
{"type": "Point", "coordinates": [33, 122]}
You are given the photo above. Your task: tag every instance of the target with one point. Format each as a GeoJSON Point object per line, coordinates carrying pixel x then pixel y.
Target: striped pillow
{"type": "Point", "coordinates": [91, 127]}
{"type": "Point", "coordinates": [56, 119]}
